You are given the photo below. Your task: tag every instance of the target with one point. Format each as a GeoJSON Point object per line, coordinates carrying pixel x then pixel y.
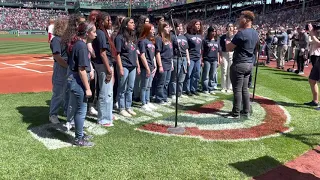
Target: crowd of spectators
{"type": "Point", "coordinates": [27, 19]}
{"type": "Point", "coordinates": [288, 17]}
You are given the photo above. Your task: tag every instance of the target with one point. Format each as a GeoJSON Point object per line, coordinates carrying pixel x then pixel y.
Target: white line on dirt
{"type": "Point", "coordinates": [12, 65]}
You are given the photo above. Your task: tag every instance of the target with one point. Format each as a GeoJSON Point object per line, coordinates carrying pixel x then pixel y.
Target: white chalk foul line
{"type": "Point", "coordinates": [7, 68]}
{"type": "Point", "coordinates": [12, 65]}
{"type": "Point", "coordinates": [37, 64]}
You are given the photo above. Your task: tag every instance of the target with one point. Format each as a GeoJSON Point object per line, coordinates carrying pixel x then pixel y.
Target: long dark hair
{"type": "Point", "coordinates": [129, 36]}
{"type": "Point", "coordinates": [117, 25]}
{"type": "Point", "coordinates": [140, 23]}
{"type": "Point", "coordinates": [73, 21]}
{"type": "Point", "coordinates": [209, 32]}
{"type": "Point", "coordinates": [146, 33]}
{"type": "Point", "coordinates": [191, 28]}
{"type": "Point", "coordinates": [165, 37]}
{"type": "Point", "coordinates": [101, 17]}
{"type": "Point", "coordinates": [82, 29]}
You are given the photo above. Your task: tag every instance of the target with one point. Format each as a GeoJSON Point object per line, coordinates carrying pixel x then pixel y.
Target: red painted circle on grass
{"type": "Point", "coordinates": [273, 123]}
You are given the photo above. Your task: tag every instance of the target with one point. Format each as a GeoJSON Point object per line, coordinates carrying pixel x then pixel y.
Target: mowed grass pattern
{"type": "Point", "coordinates": [24, 45]}
{"type": "Point", "coordinates": [124, 153]}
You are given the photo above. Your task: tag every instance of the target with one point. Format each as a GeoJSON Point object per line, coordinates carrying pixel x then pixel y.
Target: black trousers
{"type": "Point", "coordinates": [300, 63]}
{"type": "Point", "coordinates": [239, 75]}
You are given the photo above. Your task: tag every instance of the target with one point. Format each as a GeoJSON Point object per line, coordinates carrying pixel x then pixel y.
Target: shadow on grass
{"type": "Point", "coordinates": [261, 169]}
{"type": "Point", "coordinates": [38, 119]}
{"type": "Point", "coordinates": [304, 138]}
{"type": "Point", "coordinates": [297, 79]}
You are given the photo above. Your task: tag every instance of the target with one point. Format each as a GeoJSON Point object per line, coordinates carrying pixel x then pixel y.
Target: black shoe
{"type": "Point", "coordinates": [243, 114]}
{"type": "Point", "coordinates": [312, 103]}
{"type": "Point", "coordinates": [232, 116]}
{"type": "Point", "coordinates": [195, 93]}
{"type": "Point", "coordinates": [87, 137]}
{"type": "Point", "coordinates": [189, 93]}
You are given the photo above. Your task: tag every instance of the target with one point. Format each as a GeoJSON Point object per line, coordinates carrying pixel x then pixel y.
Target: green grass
{"type": "Point", "coordinates": [19, 47]}
{"type": "Point", "coordinates": [124, 153]}
{"type": "Point", "coordinates": [23, 36]}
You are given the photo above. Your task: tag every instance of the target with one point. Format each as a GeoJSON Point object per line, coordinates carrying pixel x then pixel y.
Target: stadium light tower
{"type": "Point", "coordinates": [129, 8]}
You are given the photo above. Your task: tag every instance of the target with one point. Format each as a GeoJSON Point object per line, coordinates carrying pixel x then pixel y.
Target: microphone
{"type": "Point", "coordinates": [169, 12]}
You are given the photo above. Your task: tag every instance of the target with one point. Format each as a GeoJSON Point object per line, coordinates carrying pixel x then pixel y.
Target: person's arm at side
{"type": "Point", "coordinates": [158, 56]}
{"type": "Point", "coordinates": [91, 50]}
{"type": "Point", "coordinates": [313, 34]}
{"type": "Point", "coordinates": [84, 79]}
{"type": "Point", "coordinates": [118, 44]}
{"type": "Point", "coordinates": [56, 53]}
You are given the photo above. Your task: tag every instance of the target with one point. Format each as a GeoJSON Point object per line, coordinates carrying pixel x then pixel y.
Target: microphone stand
{"type": "Point", "coordinates": [176, 129]}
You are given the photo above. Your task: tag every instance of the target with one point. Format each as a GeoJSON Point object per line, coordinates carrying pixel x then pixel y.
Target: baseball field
{"type": "Point", "coordinates": [280, 129]}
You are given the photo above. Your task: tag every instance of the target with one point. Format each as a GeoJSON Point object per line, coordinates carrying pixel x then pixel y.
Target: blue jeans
{"type": "Point", "coordinates": [146, 83]}
{"type": "Point", "coordinates": [182, 66]}
{"type": "Point", "coordinates": [163, 80]}
{"type": "Point", "coordinates": [209, 75]}
{"type": "Point", "coordinates": [59, 89]}
{"type": "Point", "coordinates": [77, 103]}
{"type": "Point", "coordinates": [125, 88]}
{"type": "Point", "coordinates": [193, 76]}
{"type": "Point", "coordinates": [105, 99]}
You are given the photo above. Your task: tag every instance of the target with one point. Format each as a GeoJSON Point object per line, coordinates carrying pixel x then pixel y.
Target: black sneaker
{"type": "Point", "coordinates": [244, 115]}
{"type": "Point", "coordinates": [232, 116]}
{"type": "Point", "coordinates": [189, 93]}
{"type": "Point", "coordinates": [312, 103]}
{"type": "Point", "coordinates": [83, 142]}
{"type": "Point", "coordinates": [195, 93]}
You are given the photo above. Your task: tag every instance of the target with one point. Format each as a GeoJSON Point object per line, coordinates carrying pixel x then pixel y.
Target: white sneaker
{"type": "Point", "coordinates": [130, 111]}
{"type": "Point", "coordinates": [93, 111]}
{"type": "Point", "coordinates": [146, 108]}
{"type": "Point", "coordinates": [115, 106]}
{"type": "Point", "coordinates": [54, 119]}
{"type": "Point", "coordinates": [151, 106]}
{"type": "Point", "coordinates": [125, 113]}
{"type": "Point", "coordinates": [223, 90]}
{"type": "Point", "coordinates": [229, 91]}
{"type": "Point", "coordinates": [212, 92]}
{"type": "Point", "coordinates": [68, 126]}
{"type": "Point", "coordinates": [206, 92]}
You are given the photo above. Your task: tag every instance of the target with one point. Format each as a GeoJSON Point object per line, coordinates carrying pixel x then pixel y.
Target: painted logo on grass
{"type": "Point", "coordinates": [208, 123]}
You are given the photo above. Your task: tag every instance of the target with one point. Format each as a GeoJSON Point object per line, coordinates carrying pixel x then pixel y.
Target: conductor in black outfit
{"type": "Point", "coordinates": [244, 45]}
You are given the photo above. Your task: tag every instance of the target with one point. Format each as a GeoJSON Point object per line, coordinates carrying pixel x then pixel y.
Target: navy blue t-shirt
{"type": "Point", "coordinates": [195, 45]}
{"type": "Point", "coordinates": [183, 43]}
{"type": "Point", "coordinates": [245, 41]}
{"type": "Point", "coordinates": [79, 57]}
{"type": "Point", "coordinates": [210, 50]}
{"type": "Point", "coordinates": [101, 42]}
{"type": "Point", "coordinates": [57, 48]}
{"type": "Point", "coordinates": [146, 47]}
{"type": "Point", "coordinates": [127, 50]}
{"type": "Point", "coordinates": [166, 53]}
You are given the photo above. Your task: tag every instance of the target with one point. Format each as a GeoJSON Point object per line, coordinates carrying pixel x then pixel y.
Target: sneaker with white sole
{"type": "Point", "coordinates": [151, 106]}
{"type": "Point", "coordinates": [229, 91]}
{"type": "Point", "coordinates": [146, 107]}
{"type": "Point", "coordinates": [212, 92]}
{"type": "Point", "coordinates": [223, 90]}
{"type": "Point", "coordinates": [125, 113]}
{"type": "Point", "coordinates": [93, 111]}
{"type": "Point", "coordinates": [54, 119]}
{"type": "Point", "coordinates": [130, 111]}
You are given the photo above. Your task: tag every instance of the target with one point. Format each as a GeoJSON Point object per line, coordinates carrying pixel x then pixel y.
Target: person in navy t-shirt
{"type": "Point", "coordinates": [127, 64]}
{"type": "Point", "coordinates": [164, 54]}
{"type": "Point", "coordinates": [148, 64]}
{"type": "Point", "coordinates": [78, 80]}
{"type": "Point", "coordinates": [210, 60]}
{"type": "Point", "coordinates": [181, 59]}
{"type": "Point", "coordinates": [105, 52]}
{"type": "Point", "coordinates": [59, 76]}
{"type": "Point", "coordinates": [244, 44]}
{"type": "Point", "coordinates": [194, 37]}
